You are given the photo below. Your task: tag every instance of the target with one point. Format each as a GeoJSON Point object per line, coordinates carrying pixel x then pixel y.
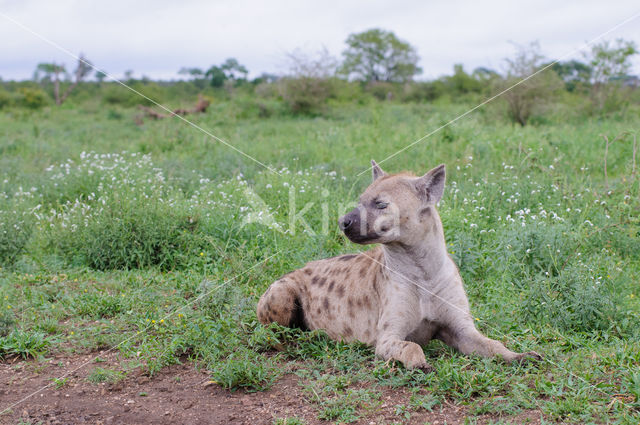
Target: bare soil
{"type": "Point", "coordinates": [179, 394]}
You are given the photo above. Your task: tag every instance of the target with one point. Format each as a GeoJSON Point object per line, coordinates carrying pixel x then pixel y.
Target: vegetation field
{"type": "Point", "coordinates": [152, 242]}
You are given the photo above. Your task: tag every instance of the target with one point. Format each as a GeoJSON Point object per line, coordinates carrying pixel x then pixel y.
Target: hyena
{"type": "Point", "coordinates": [395, 297]}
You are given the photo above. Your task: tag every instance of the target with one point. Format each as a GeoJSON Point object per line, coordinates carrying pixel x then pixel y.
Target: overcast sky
{"type": "Point", "coordinates": [157, 37]}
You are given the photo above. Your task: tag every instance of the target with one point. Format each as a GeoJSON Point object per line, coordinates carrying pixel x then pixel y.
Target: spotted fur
{"type": "Point", "coordinates": [396, 296]}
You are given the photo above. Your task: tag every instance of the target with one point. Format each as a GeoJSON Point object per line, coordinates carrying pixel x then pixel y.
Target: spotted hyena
{"type": "Point", "coordinates": [395, 297]}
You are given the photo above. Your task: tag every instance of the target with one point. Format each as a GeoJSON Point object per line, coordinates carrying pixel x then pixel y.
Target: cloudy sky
{"type": "Point", "coordinates": [157, 37]}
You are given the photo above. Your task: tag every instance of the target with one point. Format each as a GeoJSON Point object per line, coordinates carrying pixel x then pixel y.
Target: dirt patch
{"type": "Point", "coordinates": [179, 394]}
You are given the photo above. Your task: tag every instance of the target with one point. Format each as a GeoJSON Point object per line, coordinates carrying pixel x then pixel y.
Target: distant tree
{"type": "Point", "coordinates": [573, 73]}
{"type": "Point", "coordinates": [484, 74]}
{"type": "Point", "coordinates": [610, 63]}
{"type": "Point", "coordinates": [53, 73]}
{"type": "Point", "coordinates": [191, 72]}
{"type": "Point", "coordinates": [378, 55]}
{"type": "Point", "coordinates": [308, 83]}
{"type": "Point", "coordinates": [265, 77]}
{"type": "Point", "coordinates": [50, 72]}
{"type": "Point", "coordinates": [216, 76]}
{"type": "Point", "coordinates": [461, 82]}
{"type": "Point", "coordinates": [197, 76]}
{"type": "Point", "coordinates": [524, 94]}
{"type": "Point", "coordinates": [234, 70]}
{"type": "Point", "coordinates": [83, 69]}
{"type": "Point", "coordinates": [229, 70]}
{"type": "Point", "coordinates": [128, 75]}
{"type": "Point", "coordinates": [100, 76]}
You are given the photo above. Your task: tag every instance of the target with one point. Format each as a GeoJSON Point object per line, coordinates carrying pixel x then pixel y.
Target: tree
{"type": "Point", "coordinates": [234, 70]}
{"type": "Point", "coordinates": [484, 74]}
{"type": "Point", "coordinates": [229, 70]}
{"type": "Point", "coordinates": [83, 69]}
{"type": "Point", "coordinates": [197, 76]}
{"type": "Point", "coordinates": [51, 73]}
{"type": "Point", "coordinates": [526, 95]}
{"type": "Point", "coordinates": [573, 73]}
{"type": "Point", "coordinates": [216, 76]}
{"type": "Point", "coordinates": [309, 81]}
{"type": "Point", "coordinates": [191, 72]}
{"type": "Point", "coordinates": [378, 55]}
{"type": "Point", "coordinates": [100, 76]}
{"type": "Point", "coordinates": [609, 64]}
{"type": "Point", "coordinates": [462, 83]}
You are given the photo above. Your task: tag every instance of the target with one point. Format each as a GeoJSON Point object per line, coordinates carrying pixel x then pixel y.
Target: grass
{"type": "Point", "coordinates": [154, 239]}
{"type": "Point", "coordinates": [100, 375]}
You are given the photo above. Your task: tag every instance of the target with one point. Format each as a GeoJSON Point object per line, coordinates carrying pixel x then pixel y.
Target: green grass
{"type": "Point", "coordinates": [100, 375]}
{"type": "Point", "coordinates": [142, 243]}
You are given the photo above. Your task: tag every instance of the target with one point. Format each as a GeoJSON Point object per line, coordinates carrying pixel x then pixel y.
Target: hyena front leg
{"type": "Point", "coordinates": [392, 344]}
{"type": "Point", "coordinates": [468, 340]}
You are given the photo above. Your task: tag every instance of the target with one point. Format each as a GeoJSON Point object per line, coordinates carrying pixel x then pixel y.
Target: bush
{"type": "Point", "coordinates": [32, 98]}
{"type": "Point", "coordinates": [305, 95]}
{"type": "Point", "coordinates": [575, 300]}
{"type": "Point", "coordinates": [5, 99]}
{"type": "Point", "coordinates": [116, 211]}
{"type": "Point", "coordinates": [24, 344]}
{"type": "Point", "coordinates": [243, 370]}
{"type": "Point", "coordinates": [118, 95]}
{"type": "Point", "coordinates": [539, 249]}
{"type": "Point", "coordinates": [529, 97]}
{"type": "Point", "coordinates": [423, 91]}
{"type": "Point", "coordinates": [135, 235]}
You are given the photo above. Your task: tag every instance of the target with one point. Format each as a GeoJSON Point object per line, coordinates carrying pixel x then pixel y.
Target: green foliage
{"type": "Point", "coordinates": [16, 225]}
{"type": "Point", "coordinates": [462, 83]}
{"type": "Point", "coordinates": [527, 94]}
{"type": "Point", "coordinates": [609, 63]}
{"type": "Point", "coordinates": [574, 73]}
{"type": "Point", "coordinates": [575, 300]}
{"type": "Point", "coordinates": [24, 344]}
{"type": "Point", "coordinates": [98, 306]}
{"type": "Point", "coordinates": [145, 223]}
{"type": "Point", "coordinates": [32, 98]}
{"type": "Point", "coordinates": [6, 99]}
{"type": "Point", "coordinates": [116, 94]}
{"type": "Point", "coordinates": [288, 421]}
{"type": "Point", "coordinates": [230, 70]}
{"type": "Point", "coordinates": [305, 95]}
{"type": "Point", "coordinates": [378, 55]}
{"type": "Point", "coordinates": [244, 369]}
{"type": "Point", "coordinates": [100, 375]}
{"type": "Point", "coordinates": [6, 323]}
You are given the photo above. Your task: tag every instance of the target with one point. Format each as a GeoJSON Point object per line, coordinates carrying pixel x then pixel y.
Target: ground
{"type": "Point", "coordinates": [181, 394]}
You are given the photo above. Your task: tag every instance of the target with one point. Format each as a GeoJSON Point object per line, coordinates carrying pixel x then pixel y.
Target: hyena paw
{"type": "Point", "coordinates": [426, 368]}
{"type": "Point", "coordinates": [529, 356]}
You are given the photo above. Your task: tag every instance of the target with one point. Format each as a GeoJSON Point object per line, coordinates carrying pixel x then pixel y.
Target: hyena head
{"type": "Point", "coordinates": [395, 208]}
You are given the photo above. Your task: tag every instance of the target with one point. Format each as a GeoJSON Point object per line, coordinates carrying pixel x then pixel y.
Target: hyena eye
{"type": "Point", "coordinates": [381, 205]}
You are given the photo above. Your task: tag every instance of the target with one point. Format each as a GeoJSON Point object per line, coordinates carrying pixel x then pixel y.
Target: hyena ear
{"type": "Point", "coordinates": [431, 186]}
{"type": "Point", "coordinates": [376, 170]}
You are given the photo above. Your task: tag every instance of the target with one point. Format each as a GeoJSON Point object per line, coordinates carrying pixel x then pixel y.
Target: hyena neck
{"type": "Point", "coordinates": [421, 260]}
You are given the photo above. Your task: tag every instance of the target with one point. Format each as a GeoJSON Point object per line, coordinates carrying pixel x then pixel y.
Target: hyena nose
{"type": "Point", "coordinates": [344, 223]}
